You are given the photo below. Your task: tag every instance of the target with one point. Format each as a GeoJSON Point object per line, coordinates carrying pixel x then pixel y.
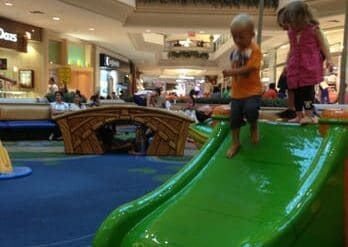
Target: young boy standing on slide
{"type": "Point", "coordinates": [246, 84]}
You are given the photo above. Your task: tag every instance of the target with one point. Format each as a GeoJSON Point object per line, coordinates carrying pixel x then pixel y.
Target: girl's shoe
{"type": "Point", "coordinates": [287, 114]}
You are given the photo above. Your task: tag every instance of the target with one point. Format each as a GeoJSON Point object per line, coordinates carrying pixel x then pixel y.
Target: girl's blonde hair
{"type": "Point", "coordinates": [298, 13]}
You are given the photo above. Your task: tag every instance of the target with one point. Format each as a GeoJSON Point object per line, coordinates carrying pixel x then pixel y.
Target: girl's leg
{"type": "Point", "coordinates": [291, 99]}
{"type": "Point", "coordinates": [299, 99]}
{"type": "Point", "coordinates": [309, 95]}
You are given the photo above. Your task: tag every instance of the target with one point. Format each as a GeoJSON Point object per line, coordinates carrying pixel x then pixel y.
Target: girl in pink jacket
{"type": "Point", "coordinates": [305, 61]}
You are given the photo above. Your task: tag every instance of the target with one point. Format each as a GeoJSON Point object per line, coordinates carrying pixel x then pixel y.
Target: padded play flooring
{"type": "Point", "coordinates": [66, 198]}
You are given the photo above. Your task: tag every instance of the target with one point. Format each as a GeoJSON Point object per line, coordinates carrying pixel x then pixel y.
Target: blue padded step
{"type": "Point", "coordinates": [31, 124]}
{"type": "Point", "coordinates": [4, 125]}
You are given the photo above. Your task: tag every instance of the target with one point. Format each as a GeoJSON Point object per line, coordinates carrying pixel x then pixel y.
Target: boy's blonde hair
{"type": "Point", "coordinates": [242, 21]}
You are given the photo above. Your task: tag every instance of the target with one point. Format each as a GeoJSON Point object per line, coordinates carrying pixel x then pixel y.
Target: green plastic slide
{"type": "Point", "coordinates": [285, 191]}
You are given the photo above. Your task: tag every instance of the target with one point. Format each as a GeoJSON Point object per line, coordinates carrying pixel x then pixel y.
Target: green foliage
{"type": "Point", "coordinates": [223, 101]}
{"type": "Point", "coordinates": [264, 102]}
{"type": "Point", "coordinates": [274, 102]}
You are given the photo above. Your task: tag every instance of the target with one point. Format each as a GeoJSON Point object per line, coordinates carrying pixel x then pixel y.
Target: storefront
{"type": "Point", "coordinates": [114, 76]}
{"type": "Point", "coordinates": [21, 59]}
{"type": "Point", "coordinates": [71, 64]}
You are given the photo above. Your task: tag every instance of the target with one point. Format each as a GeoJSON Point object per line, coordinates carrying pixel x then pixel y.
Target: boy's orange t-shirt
{"type": "Point", "coordinates": [244, 86]}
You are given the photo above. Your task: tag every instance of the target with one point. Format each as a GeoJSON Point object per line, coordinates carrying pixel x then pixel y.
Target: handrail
{"type": "Point", "coordinates": [7, 79]}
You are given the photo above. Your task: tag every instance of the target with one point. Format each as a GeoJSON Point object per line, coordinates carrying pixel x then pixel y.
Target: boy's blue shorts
{"type": "Point", "coordinates": [247, 108]}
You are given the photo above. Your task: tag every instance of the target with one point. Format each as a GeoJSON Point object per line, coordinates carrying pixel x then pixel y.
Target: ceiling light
{"type": "Point", "coordinates": [91, 29]}
{"type": "Point", "coordinates": [148, 30]}
{"type": "Point", "coordinates": [8, 4]}
{"type": "Point", "coordinates": [55, 18]}
{"type": "Point", "coordinates": [201, 31]}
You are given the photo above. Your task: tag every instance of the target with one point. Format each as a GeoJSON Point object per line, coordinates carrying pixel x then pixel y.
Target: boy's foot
{"type": "Point", "coordinates": [254, 137]}
{"type": "Point", "coordinates": [232, 151]}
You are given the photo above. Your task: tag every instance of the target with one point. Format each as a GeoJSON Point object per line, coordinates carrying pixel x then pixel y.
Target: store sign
{"type": "Point", "coordinates": [108, 61]}
{"type": "Point", "coordinates": [12, 37]}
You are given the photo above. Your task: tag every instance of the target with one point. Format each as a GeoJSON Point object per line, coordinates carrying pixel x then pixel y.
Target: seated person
{"type": "Point", "coordinates": [58, 106]}
{"type": "Point", "coordinates": [77, 105]}
{"type": "Point", "coordinates": [271, 93]}
{"type": "Point", "coordinates": [155, 99]}
{"type": "Point", "coordinates": [95, 100]}
{"type": "Point", "coordinates": [203, 113]}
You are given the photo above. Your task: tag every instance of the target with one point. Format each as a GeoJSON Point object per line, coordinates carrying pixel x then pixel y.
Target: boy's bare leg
{"type": "Point", "coordinates": [254, 133]}
{"type": "Point", "coordinates": [235, 143]}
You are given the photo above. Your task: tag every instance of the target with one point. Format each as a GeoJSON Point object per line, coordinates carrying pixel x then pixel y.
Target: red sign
{"type": "Point", "coordinates": [191, 34]}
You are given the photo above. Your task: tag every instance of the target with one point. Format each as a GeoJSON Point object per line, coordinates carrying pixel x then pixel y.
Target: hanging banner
{"type": "Point", "coordinates": [64, 75]}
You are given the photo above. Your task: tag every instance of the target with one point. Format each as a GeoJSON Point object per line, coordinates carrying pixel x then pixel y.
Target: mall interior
{"type": "Point", "coordinates": [142, 156]}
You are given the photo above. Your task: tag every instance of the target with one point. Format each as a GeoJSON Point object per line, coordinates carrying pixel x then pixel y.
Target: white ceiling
{"type": "Point", "coordinates": [120, 27]}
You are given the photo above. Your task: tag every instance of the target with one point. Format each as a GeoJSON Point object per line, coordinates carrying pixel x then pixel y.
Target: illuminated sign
{"type": "Point", "coordinates": [8, 36]}
{"type": "Point", "coordinates": [108, 61]}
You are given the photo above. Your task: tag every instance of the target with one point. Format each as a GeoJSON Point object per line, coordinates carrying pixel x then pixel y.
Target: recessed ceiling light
{"type": "Point", "coordinates": [148, 30]}
{"type": "Point", "coordinates": [91, 29]}
{"type": "Point", "coordinates": [56, 18]}
{"type": "Point", "coordinates": [8, 4]}
{"type": "Point", "coordinates": [33, 30]}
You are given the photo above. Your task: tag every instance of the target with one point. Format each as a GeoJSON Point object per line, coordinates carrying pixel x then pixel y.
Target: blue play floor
{"type": "Point", "coordinates": [64, 200]}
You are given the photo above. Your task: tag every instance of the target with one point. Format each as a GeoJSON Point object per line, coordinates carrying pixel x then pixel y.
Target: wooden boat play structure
{"type": "Point", "coordinates": [79, 129]}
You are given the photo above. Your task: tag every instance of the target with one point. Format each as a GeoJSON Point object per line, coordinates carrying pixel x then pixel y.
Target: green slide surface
{"type": "Point", "coordinates": [285, 191]}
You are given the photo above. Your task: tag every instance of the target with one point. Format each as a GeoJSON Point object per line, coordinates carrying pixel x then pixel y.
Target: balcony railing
{"type": "Point", "coordinates": [214, 3]}
{"type": "Point", "coordinates": [189, 45]}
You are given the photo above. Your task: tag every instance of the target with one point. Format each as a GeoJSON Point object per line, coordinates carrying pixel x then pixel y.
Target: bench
{"type": "Point", "coordinates": [25, 121]}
